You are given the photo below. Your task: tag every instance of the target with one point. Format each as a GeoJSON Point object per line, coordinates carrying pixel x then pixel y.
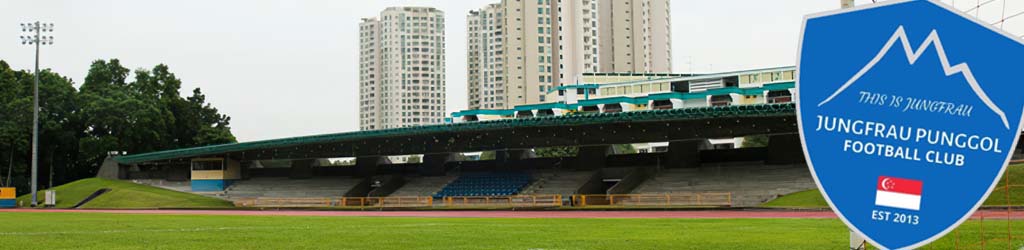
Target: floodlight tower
{"type": "Point", "coordinates": [33, 35]}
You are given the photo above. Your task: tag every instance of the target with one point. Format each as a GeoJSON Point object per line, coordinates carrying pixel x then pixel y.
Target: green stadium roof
{"type": "Point", "coordinates": [505, 133]}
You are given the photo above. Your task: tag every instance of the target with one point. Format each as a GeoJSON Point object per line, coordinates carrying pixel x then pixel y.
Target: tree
{"type": "Point", "coordinates": [58, 124]}
{"type": "Point", "coordinates": [487, 155]}
{"type": "Point", "coordinates": [345, 162]}
{"type": "Point", "coordinates": [15, 119]}
{"type": "Point", "coordinates": [106, 107]}
{"type": "Point", "coordinates": [414, 159]}
{"type": "Point", "coordinates": [147, 114]}
{"type": "Point", "coordinates": [549, 152]}
{"type": "Point", "coordinates": [624, 149]}
{"type": "Point", "coordinates": [461, 157]}
{"type": "Point", "coordinates": [213, 127]}
{"type": "Point", "coordinates": [60, 127]}
{"type": "Point", "coordinates": [755, 141]}
{"type": "Point", "coordinates": [106, 113]}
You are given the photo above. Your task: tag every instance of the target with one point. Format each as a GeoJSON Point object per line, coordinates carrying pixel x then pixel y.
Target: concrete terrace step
{"type": "Point", "coordinates": [291, 188]}
{"type": "Point", "coordinates": [423, 186]}
{"type": "Point", "coordinates": [751, 183]}
{"type": "Point", "coordinates": [563, 182]}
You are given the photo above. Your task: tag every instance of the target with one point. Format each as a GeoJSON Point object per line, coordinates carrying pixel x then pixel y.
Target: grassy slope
{"type": "Point", "coordinates": [125, 194]}
{"type": "Point", "coordinates": [813, 199]}
{"type": "Point", "coordinates": [119, 231]}
{"type": "Point", "coordinates": [803, 199]}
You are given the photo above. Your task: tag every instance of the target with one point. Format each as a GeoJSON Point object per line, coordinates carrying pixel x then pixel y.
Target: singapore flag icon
{"type": "Point", "coordinates": [898, 193]}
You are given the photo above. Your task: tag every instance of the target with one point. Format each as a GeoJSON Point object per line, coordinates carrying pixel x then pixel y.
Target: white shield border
{"type": "Point", "coordinates": [803, 144]}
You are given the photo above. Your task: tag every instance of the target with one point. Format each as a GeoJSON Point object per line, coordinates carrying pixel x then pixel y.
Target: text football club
{"type": "Point", "coordinates": [907, 121]}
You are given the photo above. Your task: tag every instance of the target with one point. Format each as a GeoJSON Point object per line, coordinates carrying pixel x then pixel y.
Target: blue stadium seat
{"type": "Point", "coordinates": [486, 184]}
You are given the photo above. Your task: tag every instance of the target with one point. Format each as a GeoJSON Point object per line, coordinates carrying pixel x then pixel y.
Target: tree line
{"type": "Point", "coordinates": [114, 109]}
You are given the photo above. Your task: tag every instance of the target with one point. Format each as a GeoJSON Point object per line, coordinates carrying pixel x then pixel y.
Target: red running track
{"type": "Point", "coordinates": [712, 214]}
{"type": "Point", "coordinates": [471, 214]}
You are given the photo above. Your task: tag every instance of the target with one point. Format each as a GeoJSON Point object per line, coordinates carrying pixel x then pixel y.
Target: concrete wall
{"type": "Point", "coordinates": [684, 153]}
{"type": "Point", "coordinates": [736, 154]}
{"type": "Point", "coordinates": [210, 185]}
{"type": "Point", "coordinates": [592, 157]}
{"type": "Point", "coordinates": [785, 149]}
{"type": "Point", "coordinates": [361, 189]}
{"type": "Point", "coordinates": [232, 170]}
{"type": "Point", "coordinates": [630, 181]}
{"type": "Point", "coordinates": [433, 164]}
{"type": "Point", "coordinates": [301, 169]}
{"type": "Point", "coordinates": [693, 103]}
{"type": "Point", "coordinates": [109, 169]}
{"type": "Point", "coordinates": [389, 183]}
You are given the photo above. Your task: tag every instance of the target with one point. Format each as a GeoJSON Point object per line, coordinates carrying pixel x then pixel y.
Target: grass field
{"type": "Point", "coordinates": [813, 199]}
{"type": "Point", "coordinates": [125, 194]}
{"type": "Point", "coordinates": [122, 231]}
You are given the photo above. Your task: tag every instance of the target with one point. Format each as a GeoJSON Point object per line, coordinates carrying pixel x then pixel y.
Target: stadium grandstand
{"type": "Point", "coordinates": [690, 127]}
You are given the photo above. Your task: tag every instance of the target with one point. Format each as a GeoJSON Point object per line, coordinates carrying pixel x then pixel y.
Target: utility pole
{"type": "Point", "coordinates": [856, 241]}
{"type": "Point", "coordinates": [34, 37]}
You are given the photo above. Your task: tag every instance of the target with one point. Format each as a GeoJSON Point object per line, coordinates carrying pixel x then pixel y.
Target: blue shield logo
{"type": "Point", "coordinates": [909, 112]}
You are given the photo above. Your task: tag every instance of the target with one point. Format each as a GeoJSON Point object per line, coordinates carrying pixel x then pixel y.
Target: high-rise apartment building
{"type": "Point", "coordinates": [520, 49]}
{"type": "Point", "coordinates": [486, 58]}
{"type": "Point", "coordinates": [402, 68]}
{"type": "Point", "coordinates": [635, 36]}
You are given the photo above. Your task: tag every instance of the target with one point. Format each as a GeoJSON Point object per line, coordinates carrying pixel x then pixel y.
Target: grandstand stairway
{"type": "Point", "coordinates": [617, 180]}
{"type": "Point", "coordinates": [559, 182]}
{"type": "Point", "coordinates": [283, 187]}
{"type": "Point", "coordinates": [384, 185]}
{"type": "Point", "coordinates": [423, 186]}
{"type": "Point", "coordinates": [751, 183]}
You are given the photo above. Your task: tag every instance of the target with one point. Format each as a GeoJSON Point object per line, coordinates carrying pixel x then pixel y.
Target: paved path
{"type": "Point", "coordinates": [719, 214]}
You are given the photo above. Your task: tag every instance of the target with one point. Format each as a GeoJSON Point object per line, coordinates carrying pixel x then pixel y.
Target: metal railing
{"type": "Point", "coordinates": [722, 199]}
{"type": "Point", "coordinates": [285, 202]}
{"type": "Point", "coordinates": [505, 201]}
{"type": "Point", "coordinates": [390, 202]}
{"type": "Point", "coordinates": [348, 202]}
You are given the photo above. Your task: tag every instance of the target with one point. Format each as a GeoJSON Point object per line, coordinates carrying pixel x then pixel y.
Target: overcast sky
{"type": "Point", "coordinates": [290, 68]}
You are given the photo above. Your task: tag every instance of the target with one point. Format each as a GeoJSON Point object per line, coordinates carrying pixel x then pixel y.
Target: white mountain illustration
{"type": "Point", "coordinates": [912, 56]}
